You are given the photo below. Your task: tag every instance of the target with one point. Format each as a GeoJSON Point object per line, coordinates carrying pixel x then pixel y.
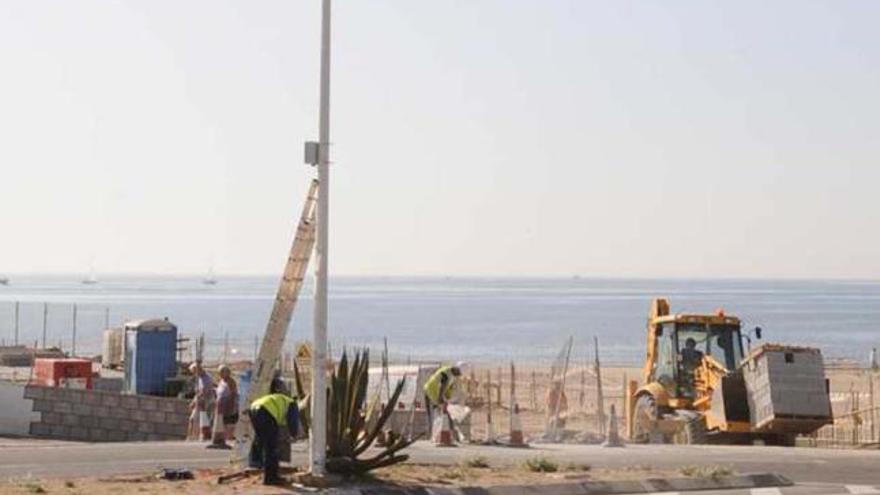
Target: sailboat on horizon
{"type": "Point", "coordinates": [210, 279]}
{"type": "Point", "coordinates": [92, 279]}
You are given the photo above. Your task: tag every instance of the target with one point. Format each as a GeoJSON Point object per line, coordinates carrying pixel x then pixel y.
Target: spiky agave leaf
{"type": "Point", "coordinates": [384, 416]}
{"type": "Point", "coordinates": [350, 433]}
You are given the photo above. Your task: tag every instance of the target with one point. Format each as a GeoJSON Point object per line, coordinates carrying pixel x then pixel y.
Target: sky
{"type": "Point", "coordinates": [491, 137]}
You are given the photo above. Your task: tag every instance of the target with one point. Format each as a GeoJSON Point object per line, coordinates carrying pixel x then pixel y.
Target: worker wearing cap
{"type": "Point", "coordinates": [268, 414]}
{"type": "Point", "coordinates": [440, 388]}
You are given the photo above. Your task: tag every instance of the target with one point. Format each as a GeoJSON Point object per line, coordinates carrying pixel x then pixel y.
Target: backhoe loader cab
{"type": "Point", "coordinates": [699, 385]}
{"type": "Point", "coordinates": [682, 341]}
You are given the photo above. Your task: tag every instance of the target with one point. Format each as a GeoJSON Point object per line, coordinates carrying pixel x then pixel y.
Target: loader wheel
{"type": "Point", "coordinates": [645, 413]}
{"type": "Point", "coordinates": [695, 432]}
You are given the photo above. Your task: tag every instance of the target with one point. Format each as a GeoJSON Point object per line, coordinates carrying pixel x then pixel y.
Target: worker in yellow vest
{"type": "Point", "coordinates": [268, 414]}
{"type": "Point", "coordinates": [440, 389]}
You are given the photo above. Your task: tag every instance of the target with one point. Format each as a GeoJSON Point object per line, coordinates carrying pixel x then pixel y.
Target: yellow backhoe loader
{"type": "Point", "coordinates": [699, 386]}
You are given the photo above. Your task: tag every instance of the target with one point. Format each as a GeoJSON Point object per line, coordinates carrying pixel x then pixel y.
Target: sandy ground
{"type": "Point", "coordinates": [470, 472]}
{"type": "Point", "coordinates": [851, 390]}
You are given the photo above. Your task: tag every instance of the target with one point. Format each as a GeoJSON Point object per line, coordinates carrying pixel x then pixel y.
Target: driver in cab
{"type": "Point", "coordinates": [690, 356]}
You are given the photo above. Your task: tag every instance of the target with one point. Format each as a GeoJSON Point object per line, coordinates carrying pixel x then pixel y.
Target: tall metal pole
{"type": "Point", "coordinates": [73, 338]}
{"type": "Point", "coordinates": [318, 437]}
{"type": "Point", "coordinates": [45, 318]}
{"type": "Point", "coordinates": [16, 322]}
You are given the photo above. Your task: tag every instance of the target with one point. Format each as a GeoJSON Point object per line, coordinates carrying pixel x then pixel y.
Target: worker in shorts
{"type": "Point", "coordinates": [203, 402]}
{"type": "Point", "coordinates": [268, 414]}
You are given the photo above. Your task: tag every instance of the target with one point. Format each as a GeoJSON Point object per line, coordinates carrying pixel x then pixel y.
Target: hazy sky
{"type": "Point", "coordinates": [470, 137]}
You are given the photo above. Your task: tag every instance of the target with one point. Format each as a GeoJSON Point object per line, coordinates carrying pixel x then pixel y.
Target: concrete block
{"type": "Point", "coordinates": [119, 413]}
{"type": "Point", "coordinates": [109, 423]}
{"type": "Point", "coordinates": [181, 419]}
{"type": "Point", "coordinates": [97, 435]}
{"type": "Point", "coordinates": [40, 430]}
{"type": "Point", "coordinates": [146, 427]}
{"type": "Point", "coordinates": [176, 431]}
{"type": "Point", "coordinates": [116, 436]}
{"type": "Point", "coordinates": [138, 415]}
{"type": "Point", "coordinates": [71, 395]}
{"type": "Point", "coordinates": [167, 406]}
{"type": "Point", "coordinates": [110, 400]}
{"type": "Point", "coordinates": [138, 436]}
{"type": "Point", "coordinates": [89, 421]}
{"type": "Point", "coordinates": [79, 433]}
{"type": "Point", "coordinates": [83, 410]}
{"type": "Point", "coordinates": [156, 416]}
{"type": "Point", "coordinates": [181, 407]}
{"type": "Point", "coordinates": [43, 405]}
{"type": "Point", "coordinates": [51, 418]}
{"type": "Point", "coordinates": [70, 420]}
{"type": "Point", "coordinates": [52, 393]}
{"type": "Point", "coordinates": [127, 425]}
{"type": "Point", "coordinates": [113, 385]}
{"type": "Point", "coordinates": [34, 392]}
{"type": "Point", "coordinates": [60, 431]}
{"type": "Point", "coordinates": [103, 412]}
{"type": "Point", "coordinates": [93, 399]}
{"type": "Point", "coordinates": [154, 437]}
{"type": "Point", "coordinates": [149, 404]}
{"type": "Point", "coordinates": [130, 402]}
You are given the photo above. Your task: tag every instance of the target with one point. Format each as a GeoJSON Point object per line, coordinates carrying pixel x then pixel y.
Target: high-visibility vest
{"type": "Point", "coordinates": [276, 404]}
{"type": "Point", "coordinates": [432, 386]}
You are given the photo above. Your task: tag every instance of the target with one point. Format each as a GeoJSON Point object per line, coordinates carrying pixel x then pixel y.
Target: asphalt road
{"type": "Point", "coordinates": [805, 466]}
{"type": "Point", "coordinates": [800, 489]}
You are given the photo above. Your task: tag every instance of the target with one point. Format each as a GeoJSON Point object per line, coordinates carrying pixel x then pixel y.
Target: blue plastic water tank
{"type": "Point", "coordinates": [150, 356]}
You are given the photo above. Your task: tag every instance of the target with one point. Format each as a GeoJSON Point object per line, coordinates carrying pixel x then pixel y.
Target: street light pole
{"type": "Point", "coordinates": [318, 436]}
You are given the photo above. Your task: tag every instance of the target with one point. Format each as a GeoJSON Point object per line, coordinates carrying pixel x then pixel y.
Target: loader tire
{"type": "Point", "coordinates": [644, 413]}
{"type": "Point", "coordinates": [695, 432]}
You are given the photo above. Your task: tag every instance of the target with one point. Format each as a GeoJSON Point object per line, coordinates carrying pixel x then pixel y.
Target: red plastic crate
{"type": "Point", "coordinates": [63, 373]}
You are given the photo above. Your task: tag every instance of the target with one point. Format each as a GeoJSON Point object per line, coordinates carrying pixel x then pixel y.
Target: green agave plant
{"type": "Point", "coordinates": [352, 427]}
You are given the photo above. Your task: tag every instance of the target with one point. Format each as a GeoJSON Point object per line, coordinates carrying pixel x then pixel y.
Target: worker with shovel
{"type": "Point", "coordinates": [440, 389]}
{"type": "Point", "coordinates": [268, 414]}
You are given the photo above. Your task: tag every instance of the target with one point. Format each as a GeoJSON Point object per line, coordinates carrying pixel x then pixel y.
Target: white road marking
{"type": "Point", "coordinates": [861, 489]}
{"type": "Point", "coordinates": [765, 491]}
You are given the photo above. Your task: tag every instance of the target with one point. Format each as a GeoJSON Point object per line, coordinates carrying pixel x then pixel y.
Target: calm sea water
{"type": "Point", "coordinates": [477, 319]}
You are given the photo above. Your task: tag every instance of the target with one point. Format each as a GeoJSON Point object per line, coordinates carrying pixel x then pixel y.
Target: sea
{"type": "Point", "coordinates": [474, 319]}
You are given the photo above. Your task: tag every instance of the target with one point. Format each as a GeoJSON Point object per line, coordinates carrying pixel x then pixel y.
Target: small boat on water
{"type": "Point", "coordinates": [92, 279]}
{"type": "Point", "coordinates": [210, 279]}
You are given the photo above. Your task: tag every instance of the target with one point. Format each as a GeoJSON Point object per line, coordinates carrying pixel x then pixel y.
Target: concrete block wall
{"type": "Point", "coordinates": [96, 416]}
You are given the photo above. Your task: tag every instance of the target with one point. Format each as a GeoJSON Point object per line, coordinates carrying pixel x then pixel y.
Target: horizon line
{"type": "Point", "coordinates": [574, 276]}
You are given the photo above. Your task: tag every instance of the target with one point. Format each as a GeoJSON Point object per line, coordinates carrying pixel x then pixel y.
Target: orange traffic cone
{"type": "Point", "coordinates": [516, 431]}
{"type": "Point", "coordinates": [444, 439]}
{"type": "Point", "coordinates": [613, 438]}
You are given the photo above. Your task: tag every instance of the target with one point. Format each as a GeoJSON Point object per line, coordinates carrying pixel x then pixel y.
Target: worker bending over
{"type": "Point", "coordinates": [268, 414]}
{"type": "Point", "coordinates": [440, 389]}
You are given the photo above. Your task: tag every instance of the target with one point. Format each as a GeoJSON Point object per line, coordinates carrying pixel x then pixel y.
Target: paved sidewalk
{"type": "Point", "coordinates": [60, 459]}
